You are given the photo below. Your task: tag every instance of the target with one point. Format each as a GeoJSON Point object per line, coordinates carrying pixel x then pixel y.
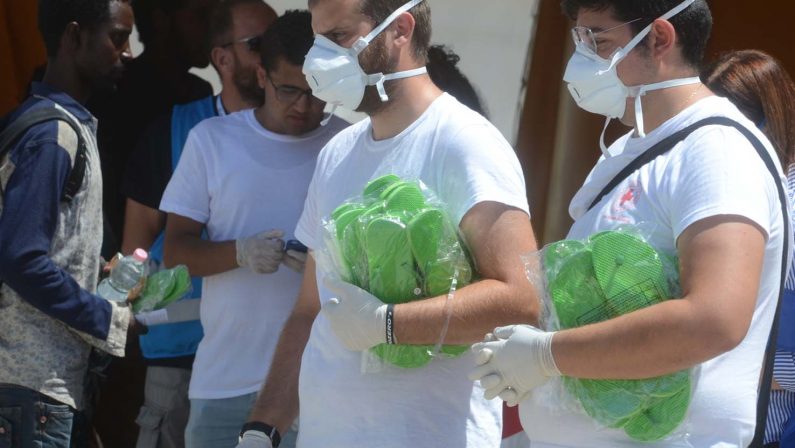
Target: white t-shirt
{"type": "Point", "coordinates": [240, 179]}
{"type": "Point", "coordinates": [465, 160]}
{"type": "Point", "coordinates": [716, 171]}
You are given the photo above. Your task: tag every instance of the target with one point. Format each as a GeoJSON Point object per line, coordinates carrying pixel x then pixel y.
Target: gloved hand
{"type": "Point", "coordinates": [254, 439]}
{"type": "Point", "coordinates": [295, 260]}
{"type": "Point", "coordinates": [357, 317]}
{"type": "Point", "coordinates": [513, 361]}
{"type": "Point", "coordinates": [261, 253]}
{"type": "Point", "coordinates": [150, 318]}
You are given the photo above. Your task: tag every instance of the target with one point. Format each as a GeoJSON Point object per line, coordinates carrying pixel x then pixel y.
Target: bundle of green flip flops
{"type": "Point", "coordinates": [162, 289]}
{"type": "Point", "coordinates": [398, 244]}
{"type": "Point", "coordinates": [611, 274]}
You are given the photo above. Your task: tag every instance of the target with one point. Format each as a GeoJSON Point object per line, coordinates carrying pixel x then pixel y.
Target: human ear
{"type": "Point", "coordinates": [71, 37]}
{"type": "Point", "coordinates": [662, 38]}
{"type": "Point", "coordinates": [404, 29]}
{"type": "Point", "coordinates": [262, 77]}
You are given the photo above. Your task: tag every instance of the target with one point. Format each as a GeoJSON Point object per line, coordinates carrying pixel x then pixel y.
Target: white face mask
{"type": "Point", "coordinates": [335, 75]}
{"type": "Point", "coordinates": [594, 83]}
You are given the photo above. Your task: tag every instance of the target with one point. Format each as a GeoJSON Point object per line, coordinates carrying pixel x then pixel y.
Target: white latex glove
{"type": "Point", "coordinates": [357, 317]}
{"type": "Point", "coordinates": [150, 318]}
{"type": "Point", "coordinates": [513, 361]}
{"type": "Point", "coordinates": [295, 260]}
{"type": "Point", "coordinates": [254, 439]}
{"type": "Point", "coordinates": [261, 253]}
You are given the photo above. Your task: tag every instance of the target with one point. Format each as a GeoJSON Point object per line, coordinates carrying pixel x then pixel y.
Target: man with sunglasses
{"type": "Point", "coordinates": [169, 347]}
{"type": "Point", "coordinates": [243, 179]}
{"type": "Point", "coordinates": [706, 185]}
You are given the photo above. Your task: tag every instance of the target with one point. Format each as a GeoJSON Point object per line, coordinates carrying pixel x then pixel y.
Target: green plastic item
{"type": "Point", "coordinates": [660, 418]}
{"type": "Point", "coordinates": [612, 274]}
{"type": "Point", "coordinates": [400, 249]}
{"type": "Point", "coordinates": [162, 289]}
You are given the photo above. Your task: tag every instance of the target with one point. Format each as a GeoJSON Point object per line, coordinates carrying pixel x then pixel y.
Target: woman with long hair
{"type": "Point", "coordinates": [763, 90]}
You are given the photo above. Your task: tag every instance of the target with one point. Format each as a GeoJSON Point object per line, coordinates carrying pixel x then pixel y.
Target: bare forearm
{"type": "Point", "coordinates": [476, 310]}
{"type": "Point", "coordinates": [278, 400]}
{"type": "Point", "coordinates": [651, 342]}
{"type": "Point", "coordinates": [203, 258]}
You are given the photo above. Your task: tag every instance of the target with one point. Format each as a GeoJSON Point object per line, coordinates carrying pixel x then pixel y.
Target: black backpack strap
{"type": "Point", "coordinates": [665, 146]}
{"type": "Point", "coordinates": [18, 127]}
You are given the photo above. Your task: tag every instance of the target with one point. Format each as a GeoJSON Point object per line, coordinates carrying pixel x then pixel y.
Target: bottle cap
{"type": "Point", "coordinates": [140, 255]}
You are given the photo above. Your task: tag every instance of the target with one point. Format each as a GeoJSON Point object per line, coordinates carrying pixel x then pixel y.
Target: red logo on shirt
{"type": "Point", "coordinates": [626, 202]}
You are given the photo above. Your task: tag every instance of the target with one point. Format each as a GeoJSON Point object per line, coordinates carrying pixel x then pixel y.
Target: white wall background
{"type": "Point", "coordinates": [492, 38]}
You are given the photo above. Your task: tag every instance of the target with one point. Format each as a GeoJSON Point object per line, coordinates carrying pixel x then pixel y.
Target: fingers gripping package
{"type": "Point", "coordinates": [397, 242]}
{"type": "Point", "coordinates": [608, 275]}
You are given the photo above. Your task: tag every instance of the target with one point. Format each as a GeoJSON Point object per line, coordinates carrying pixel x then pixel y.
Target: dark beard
{"type": "Point", "coordinates": [376, 60]}
{"type": "Point", "coordinates": [246, 82]}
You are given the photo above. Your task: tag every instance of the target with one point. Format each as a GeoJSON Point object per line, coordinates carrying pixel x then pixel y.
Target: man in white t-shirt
{"type": "Point", "coordinates": [416, 132]}
{"type": "Point", "coordinates": [710, 200]}
{"type": "Point", "coordinates": [243, 179]}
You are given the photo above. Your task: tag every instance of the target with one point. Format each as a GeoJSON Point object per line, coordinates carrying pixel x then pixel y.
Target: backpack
{"type": "Point", "coordinates": [27, 120]}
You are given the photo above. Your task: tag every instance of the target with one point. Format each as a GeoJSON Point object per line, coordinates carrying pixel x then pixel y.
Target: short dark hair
{"type": "Point", "coordinates": [222, 20]}
{"type": "Point", "coordinates": [289, 37]}
{"type": "Point", "coordinates": [693, 25]}
{"type": "Point", "coordinates": [379, 10]}
{"type": "Point", "coordinates": [144, 14]}
{"type": "Point", "coordinates": [55, 15]}
{"type": "Point", "coordinates": [444, 72]}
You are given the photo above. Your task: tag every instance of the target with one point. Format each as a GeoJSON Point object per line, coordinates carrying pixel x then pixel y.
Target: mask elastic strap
{"type": "Point", "coordinates": [363, 42]}
{"type": "Point", "coordinates": [328, 116]}
{"type": "Point", "coordinates": [379, 79]}
{"type": "Point", "coordinates": [642, 90]}
{"type": "Point", "coordinates": [642, 35]}
{"type": "Point", "coordinates": [602, 138]}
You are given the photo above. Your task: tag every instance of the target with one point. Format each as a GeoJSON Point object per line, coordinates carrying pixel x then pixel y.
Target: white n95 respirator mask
{"type": "Point", "coordinates": [335, 75]}
{"type": "Point", "coordinates": [594, 83]}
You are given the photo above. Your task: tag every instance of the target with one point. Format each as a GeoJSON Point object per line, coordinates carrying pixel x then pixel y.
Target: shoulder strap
{"type": "Point", "coordinates": [665, 146]}
{"type": "Point", "coordinates": [40, 115]}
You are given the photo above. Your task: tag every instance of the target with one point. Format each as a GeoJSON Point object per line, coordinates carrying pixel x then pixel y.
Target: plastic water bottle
{"type": "Point", "coordinates": [124, 277]}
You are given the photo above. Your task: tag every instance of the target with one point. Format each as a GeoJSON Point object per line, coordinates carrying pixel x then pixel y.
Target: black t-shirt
{"type": "Point", "coordinates": [149, 168]}
{"type": "Point", "coordinates": [142, 96]}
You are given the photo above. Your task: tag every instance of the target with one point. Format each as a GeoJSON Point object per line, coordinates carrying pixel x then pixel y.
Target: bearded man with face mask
{"type": "Point", "coordinates": [370, 55]}
{"type": "Point", "coordinates": [709, 185]}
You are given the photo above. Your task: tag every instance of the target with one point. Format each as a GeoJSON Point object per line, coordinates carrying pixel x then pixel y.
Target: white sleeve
{"type": "Point", "coordinates": [719, 173]}
{"type": "Point", "coordinates": [478, 165]}
{"type": "Point", "coordinates": [187, 193]}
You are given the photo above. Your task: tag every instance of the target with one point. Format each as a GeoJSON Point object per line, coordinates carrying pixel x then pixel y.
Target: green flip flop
{"type": "Point", "coordinates": [376, 187]}
{"type": "Point", "coordinates": [162, 289]}
{"type": "Point", "coordinates": [630, 272]}
{"type": "Point", "coordinates": [392, 276]}
{"type": "Point", "coordinates": [661, 418]}
{"type": "Point", "coordinates": [576, 295]}
{"type": "Point", "coordinates": [610, 402]}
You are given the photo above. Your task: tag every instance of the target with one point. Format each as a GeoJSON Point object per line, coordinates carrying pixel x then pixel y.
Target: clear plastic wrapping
{"type": "Point", "coordinates": [162, 289]}
{"type": "Point", "coordinates": [397, 242]}
{"type": "Point", "coordinates": [582, 282]}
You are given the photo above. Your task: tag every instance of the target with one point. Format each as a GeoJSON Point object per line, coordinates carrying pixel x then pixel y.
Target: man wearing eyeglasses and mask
{"type": "Point", "coordinates": [370, 55]}
{"type": "Point", "coordinates": [710, 192]}
{"type": "Point", "coordinates": [243, 179]}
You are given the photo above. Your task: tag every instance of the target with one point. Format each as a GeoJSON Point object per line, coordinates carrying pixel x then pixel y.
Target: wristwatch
{"type": "Point", "coordinates": [265, 428]}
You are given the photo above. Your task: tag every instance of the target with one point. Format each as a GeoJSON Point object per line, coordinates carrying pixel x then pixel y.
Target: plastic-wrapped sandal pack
{"type": "Point", "coordinates": [611, 274]}
{"type": "Point", "coordinates": [163, 288]}
{"type": "Point", "coordinates": [397, 242]}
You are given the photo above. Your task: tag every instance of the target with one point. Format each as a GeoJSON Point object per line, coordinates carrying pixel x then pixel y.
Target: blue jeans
{"type": "Point", "coordinates": [30, 419]}
{"type": "Point", "coordinates": [217, 423]}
